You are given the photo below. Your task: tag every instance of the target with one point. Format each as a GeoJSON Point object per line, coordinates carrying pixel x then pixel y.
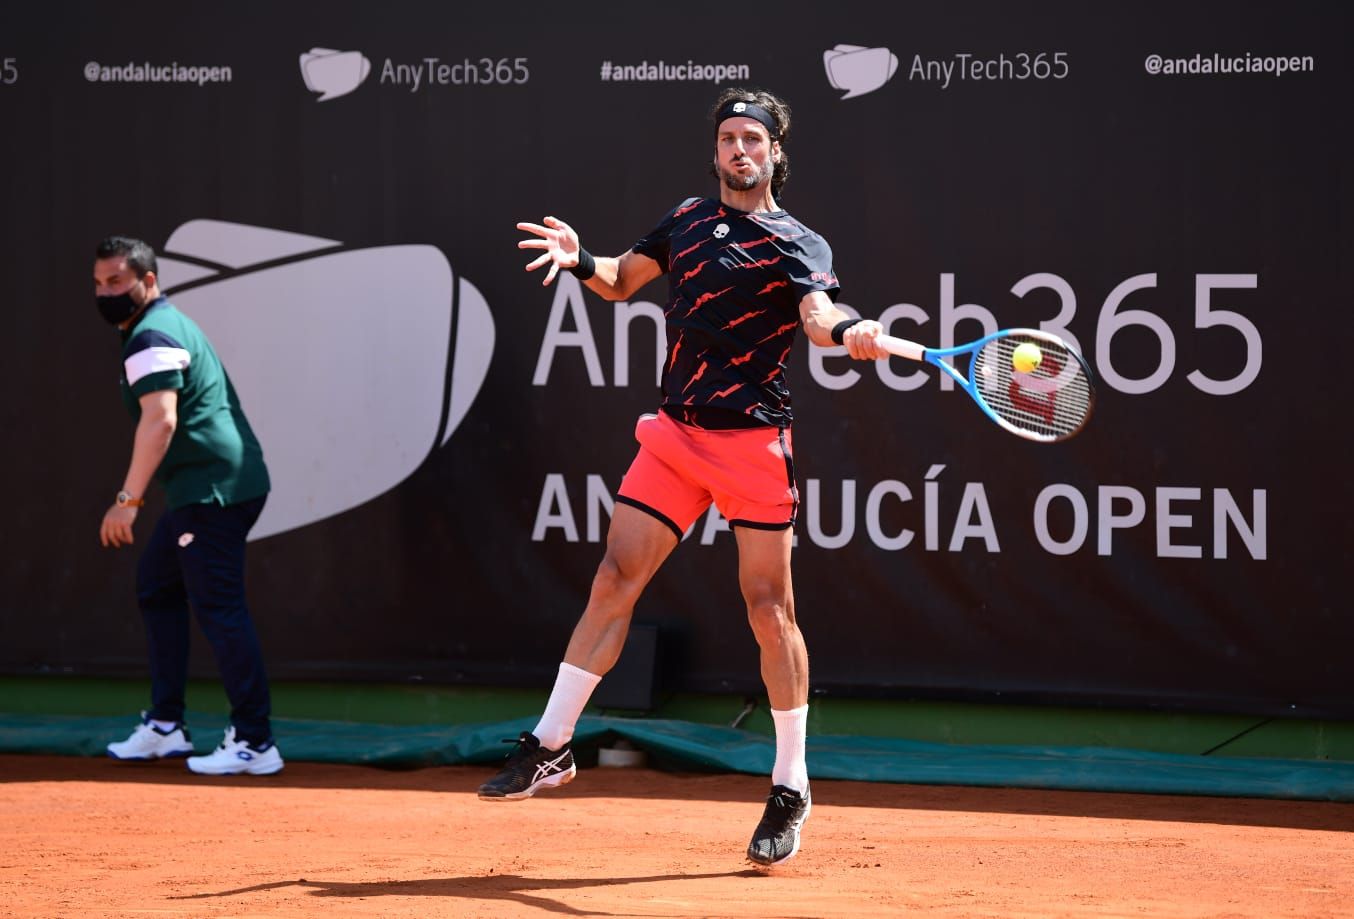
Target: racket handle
{"type": "Point", "coordinates": [901, 347]}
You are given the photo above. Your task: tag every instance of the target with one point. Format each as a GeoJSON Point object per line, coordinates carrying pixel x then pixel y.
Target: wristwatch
{"type": "Point", "coordinates": [126, 500]}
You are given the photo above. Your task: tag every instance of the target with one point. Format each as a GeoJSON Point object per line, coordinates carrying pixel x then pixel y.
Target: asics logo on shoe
{"type": "Point", "coordinates": [548, 767]}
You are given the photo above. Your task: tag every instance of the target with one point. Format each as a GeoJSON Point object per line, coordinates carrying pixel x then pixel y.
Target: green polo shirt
{"type": "Point", "coordinates": [214, 455]}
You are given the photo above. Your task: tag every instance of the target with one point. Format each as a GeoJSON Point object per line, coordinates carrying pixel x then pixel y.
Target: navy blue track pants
{"type": "Point", "coordinates": [195, 558]}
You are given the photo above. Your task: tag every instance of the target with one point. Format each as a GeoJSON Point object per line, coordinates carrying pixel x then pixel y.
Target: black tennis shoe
{"type": "Point", "coordinates": [530, 767]}
{"type": "Point", "coordinates": [777, 836]}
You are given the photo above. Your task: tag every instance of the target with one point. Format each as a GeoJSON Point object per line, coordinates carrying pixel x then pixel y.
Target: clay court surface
{"type": "Point", "coordinates": [90, 837]}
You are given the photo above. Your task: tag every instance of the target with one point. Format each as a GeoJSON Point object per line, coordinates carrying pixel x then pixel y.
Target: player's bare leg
{"type": "Point", "coordinates": [764, 576]}
{"type": "Point", "coordinates": [637, 544]}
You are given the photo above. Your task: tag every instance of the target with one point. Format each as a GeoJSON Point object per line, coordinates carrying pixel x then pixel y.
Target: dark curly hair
{"type": "Point", "coordinates": [779, 110]}
{"type": "Point", "coordinates": [140, 256]}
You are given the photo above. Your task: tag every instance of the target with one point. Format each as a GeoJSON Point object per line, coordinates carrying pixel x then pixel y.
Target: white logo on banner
{"type": "Point", "coordinates": [340, 356]}
{"type": "Point", "coordinates": [859, 70]}
{"type": "Point", "coordinates": [333, 73]}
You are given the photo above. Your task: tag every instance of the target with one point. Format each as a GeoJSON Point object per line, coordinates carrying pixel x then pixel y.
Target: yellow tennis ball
{"type": "Point", "coordinates": [1026, 357]}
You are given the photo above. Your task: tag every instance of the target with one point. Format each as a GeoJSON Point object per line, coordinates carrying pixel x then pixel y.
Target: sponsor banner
{"type": "Point", "coordinates": [332, 73]}
{"type": "Point", "coordinates": [447, 437]}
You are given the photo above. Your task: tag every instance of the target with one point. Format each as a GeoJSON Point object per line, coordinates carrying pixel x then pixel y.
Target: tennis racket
{"type": "Point", "coordinates": [1046, 403]}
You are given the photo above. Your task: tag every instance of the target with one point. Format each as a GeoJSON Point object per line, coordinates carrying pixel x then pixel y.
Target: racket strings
{"type": "Point", "coordinates": [1051, 401]}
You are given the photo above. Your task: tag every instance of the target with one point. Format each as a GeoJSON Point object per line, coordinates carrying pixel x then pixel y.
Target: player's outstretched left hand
{"type": "Point", "coordinates": [862, 341]}
{"type": "Point", "coordinates": [559, 241]}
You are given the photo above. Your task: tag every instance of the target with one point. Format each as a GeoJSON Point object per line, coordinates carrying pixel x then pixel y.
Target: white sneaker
{"type": "Point", "coordinates": [149, 742]}
{"type": "Point", "coordinates": [235, 757]}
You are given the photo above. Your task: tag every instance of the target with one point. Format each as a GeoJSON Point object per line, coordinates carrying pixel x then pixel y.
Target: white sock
{"type": "Point", "coordinates": [165, 726]}
{"type": "Point", "coordinates": [573, 688]}
{"type": "Point", "coordinates": [790, 769]}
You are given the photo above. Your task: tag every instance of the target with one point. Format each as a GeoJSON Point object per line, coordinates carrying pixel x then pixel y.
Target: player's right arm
{"type": "Point", "coordinates": [155, 429]}
{"type": "Point", "coordinates": [613, 278]}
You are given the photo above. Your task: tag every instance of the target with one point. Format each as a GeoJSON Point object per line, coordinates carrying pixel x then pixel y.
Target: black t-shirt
{"type": "Point", "coordinates": [735, 280]}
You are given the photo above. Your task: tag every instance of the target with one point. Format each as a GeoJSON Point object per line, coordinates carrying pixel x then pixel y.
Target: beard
{"type": "Point", "coordinates": [736, 182]}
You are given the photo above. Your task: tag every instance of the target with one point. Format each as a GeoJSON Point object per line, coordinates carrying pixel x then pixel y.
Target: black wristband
{"type": "Point", "coordinates": [586, 267]}
{"type": "Point", "coordinates": [840, 328]}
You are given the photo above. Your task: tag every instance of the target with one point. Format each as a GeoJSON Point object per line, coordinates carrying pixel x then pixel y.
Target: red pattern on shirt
{"type": "Point", "coordinates": [700, 372]}
{"type": "Point", "coordinates": [728, 343]}
{"type": "Point", "coordinates": [693, 272]}
{"type": "Point", "coordinates": [743, 318]}
{"type": "Point", "coordinates": [788, 327]}
{"type": "Point", "coordinates": [706, 298]}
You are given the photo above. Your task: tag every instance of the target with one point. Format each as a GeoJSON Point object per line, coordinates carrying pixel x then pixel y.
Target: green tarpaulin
{"type": "Point", "coordinates": [700, 746]}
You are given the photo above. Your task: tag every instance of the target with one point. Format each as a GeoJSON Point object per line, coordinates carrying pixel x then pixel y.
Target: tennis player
{"type": "Point", "coordinates": [743, 277]}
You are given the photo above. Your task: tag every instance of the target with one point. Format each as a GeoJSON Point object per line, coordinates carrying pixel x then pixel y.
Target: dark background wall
{"type": "Point", "coordinates": [1185, 551]}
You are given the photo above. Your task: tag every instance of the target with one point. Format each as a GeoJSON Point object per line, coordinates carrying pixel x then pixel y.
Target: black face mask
{"type": "Point", "coordinates": [117, 309]}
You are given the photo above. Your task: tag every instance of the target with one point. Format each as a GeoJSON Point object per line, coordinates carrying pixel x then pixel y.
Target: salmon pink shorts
{"type": "Point", "coordinates": [680, 470]}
